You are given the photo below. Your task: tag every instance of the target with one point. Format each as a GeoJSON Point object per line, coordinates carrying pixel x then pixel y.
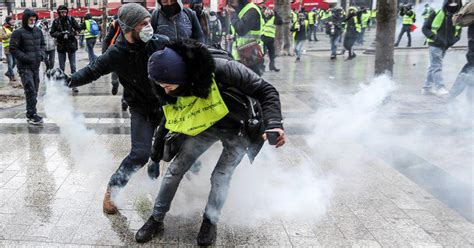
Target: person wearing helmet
{"type": "Point", "coordinates": [64, 29]}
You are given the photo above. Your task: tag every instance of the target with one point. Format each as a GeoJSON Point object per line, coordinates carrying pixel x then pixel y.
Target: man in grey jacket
{"type": "Point", "coordinates": [50, 48]}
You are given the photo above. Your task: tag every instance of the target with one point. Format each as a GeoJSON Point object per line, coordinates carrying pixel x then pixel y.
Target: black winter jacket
{"type": "Point", "coordinates": [470, 49]}
{"type": "Point", "coordinates": [27, 45]}
{"type": "Point", "coordinates": [445, 37]}
{"type": "Point", "coordinates": [59, 28]}
{"type": "Point", "coordinates": [129, 61]}
{"type": "Point", "coordinates": [230, 75]}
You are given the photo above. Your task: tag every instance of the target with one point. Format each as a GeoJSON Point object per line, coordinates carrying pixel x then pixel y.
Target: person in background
{"type": "Point", "coordinates": [27, 46]}
{"type": "Point", "coordinates": [268, 36]}
{"type": "Point", "coordinates": [91, 31]}
{"type": "Point", "coordinates": [5, 34]}
{"type": "Point", "coordinates": [441, 34]}
{"type": "Point", "coordinates": [215, 29]}
{"type": "Point", "coordinates": [353, 28]}
{"type": "Point", "coordinates": [427, 11]}
{"type": "Point", "coordinates": [64, 30]}
{"type": "Point", "coordinates": [334, 28]}
{"type": "Point", "coordinates": [409, 17]}
{"type": "Point", "coordinates": [203, 18]}
{"type": "Point", "coordinates": [300, 30]}
{"type": "Point", "coordinates": [50, 42]}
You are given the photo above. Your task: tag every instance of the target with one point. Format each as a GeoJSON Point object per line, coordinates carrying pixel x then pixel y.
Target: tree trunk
{"type": "Point", "coordinates": [385, 36]}
{"type": "Point", "coordinates": [104, 18]}
{"type": "Point", "coordinates": [283, 34]}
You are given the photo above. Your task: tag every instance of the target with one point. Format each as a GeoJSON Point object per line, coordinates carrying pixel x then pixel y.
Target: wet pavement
{"type": "Point", "coordinates": [399, 168]}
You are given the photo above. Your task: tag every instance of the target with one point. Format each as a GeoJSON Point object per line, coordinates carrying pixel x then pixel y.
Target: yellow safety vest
{"type": "Point", "coordinates": [356, 23]}
{"type": "Point", "coordinates": [438, 21]}
{"type": "Point", "coordinates": [365, 19]}
{"type": "Point", "coordinates": [192, 115]}
{"type": "Point", "coordinates": [311, 18]}
{"type": "Point", "coordinates": [269, 28]}
{"type": "Point", "coordinates": [408, 19]}
{"type": "Point", "coordinates": [252, 35]}
{"type": "Point", "coordinates": [6, 42]}
{"type": "Point", "coordinates": [297, 26]}
{"type": "Point", "coordinates": [87, 33]}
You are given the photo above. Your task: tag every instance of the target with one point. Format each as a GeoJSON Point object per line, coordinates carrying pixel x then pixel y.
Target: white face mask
{"type": "Point", "coordinates": [31, 26]}
{"type": "Point", "coordinates": [146, 33]}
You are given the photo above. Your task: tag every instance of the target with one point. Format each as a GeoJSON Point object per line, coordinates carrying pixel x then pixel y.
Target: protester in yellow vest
{"type": "Point", "coordinates": [353, 28]}
{"type": "Point", "coordinates": [300, 30]}
{"type": "Point", "coordinates": [91, 31]}
{"type": "Point", "coordinates": [312, 22]}
{"type": "Point", "coordinates": [210, 99]}
{"type": "Point", "coordinates": [247, 26]}
{"type": "Point", "coordinates": [409, 17]}
{"type": "Point", "coordinates": [441, 34]}
{"type": "Point", "coordinates": [363, 15]}
{"type": "Point", "coordinates": [373, 17]}
{"type": "Point", "coordinates": [268, 36]}
{"type": "Point", "coordinates": [5, 34]}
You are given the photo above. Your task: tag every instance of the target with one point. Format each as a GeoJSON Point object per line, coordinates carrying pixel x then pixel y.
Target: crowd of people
{"type": "Point", "coordinates": [191, 80]}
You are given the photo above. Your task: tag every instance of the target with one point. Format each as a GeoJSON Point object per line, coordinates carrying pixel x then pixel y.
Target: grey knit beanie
{"type": "Point", "coordinates": [130, 15]}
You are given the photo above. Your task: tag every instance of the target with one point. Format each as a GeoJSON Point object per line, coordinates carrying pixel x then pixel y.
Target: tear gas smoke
{"type": "Point", "coordinates": [86, 149]}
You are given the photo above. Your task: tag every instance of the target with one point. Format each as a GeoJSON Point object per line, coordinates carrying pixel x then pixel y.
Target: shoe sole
{"type": "Point", "coordinates": [35, 123]}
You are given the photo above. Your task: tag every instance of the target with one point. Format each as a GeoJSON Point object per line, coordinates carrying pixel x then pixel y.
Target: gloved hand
{"type": "Point", "coordinates": [57, 75]}
{"type": "Point", "coordinates": [153, 169]}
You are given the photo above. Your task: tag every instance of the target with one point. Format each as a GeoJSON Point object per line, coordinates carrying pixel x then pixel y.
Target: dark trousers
{"type": "Point", "coordinates": [405, 29]}
{"type": "Point", "coordinates": [72, 61]}
{"type": "Point", "coordinates": [50, 59]}
{"type": "Point", "coordinates": [234, 149]}
{"type": "Point", "coordinates": [312, 32]}
{"type": "Point", "coordinates": [349, 41]}
{"type": "Point", "coordinates": [361, 36]}
{"type": "Point", "coordinates": [30, 80]}
{"type": "Point", "coordinates": [333, 40]}
{"type": "Point", "coordinates": [258, 68]}
{"type": "Point", "coordinates": [269, 46]}
{"type": "Point", "coordinates": [11, 65]}
{"type": "Point", "coordinates": [90, 43]}
{"type": "Point", "coordinates": [142, 129]}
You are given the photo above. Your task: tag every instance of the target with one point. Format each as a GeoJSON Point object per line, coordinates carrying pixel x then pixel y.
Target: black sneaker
{"type": "Point", "coordinates": [149, 230]}
{"type": "Point", "coordinates": [75, 90]}
{"type": "Point", "coordinates": [124, 105]}
{"type": "Point", "coordinates": [333, 57]}
{"type": "Point", "coordinates": [114, 90]}
{"type": "Point", "coordinates": [207, 233]}
{"type": "Point", "coordinates": [35, 120]}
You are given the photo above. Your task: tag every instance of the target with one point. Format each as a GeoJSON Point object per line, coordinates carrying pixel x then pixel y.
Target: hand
{"type": "Point", "coordinates": [153, 169]}
{"type": "Point", "coordinates": [58, 75]}
{"type": "Point", "coordinates": [280, 139]}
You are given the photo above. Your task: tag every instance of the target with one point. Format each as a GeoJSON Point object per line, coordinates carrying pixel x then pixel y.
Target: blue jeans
{"type": "Point", "coordinates": [142, 129]}
{"type": "Point", "coordinates": [30, 80]}
{"type": "Point", "coordinates": [90, 42]}
{"type": "Point", "coordinates": [72, 61]}
{"type": "Point", "coordinates": [334, 39]}
{"type": "Point", "coordinates": [234, 149]}
{"type": "Point", "coordinates": [361, 36]}
{"type": "Point", "coordinates": [435, 71]}
{"type": "Point", "coordinates": [299, 48]}
{"type": "Point", "coordinates": [11, 64]}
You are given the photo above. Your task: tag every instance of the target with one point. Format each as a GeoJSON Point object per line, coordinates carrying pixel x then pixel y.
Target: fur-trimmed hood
{"type": "Point", "coordinates": [200, 66]}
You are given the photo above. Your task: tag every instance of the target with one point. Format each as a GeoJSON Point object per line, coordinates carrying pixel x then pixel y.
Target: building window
{"type": "Point", "coordinates": [72, 1]}
{"type": "Point", "coordinates": [86, 3]}
{"type": "Point", "coordinates": [23, 3]}
{"type": "Point", "coordinates": [45, 3]}
{"type": "Point", "coordinates": [33, 3]}
{"type": "Point", "coordinates": [96, 2]}
{"type": "Point", "coordinates": [54, 4]}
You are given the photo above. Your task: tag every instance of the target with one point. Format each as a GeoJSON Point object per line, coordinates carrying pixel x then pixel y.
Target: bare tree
{"type": "Point", "coordinates": [283, 34]}
{"type": "Point", "coordinates": [385, 36]}
{"type": "Point", "coordinates": [104, 17]}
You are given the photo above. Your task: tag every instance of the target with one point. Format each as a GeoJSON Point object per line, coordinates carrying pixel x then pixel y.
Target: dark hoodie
{"type": "Point", "coordinates": [60, 26]}
{"type": "Point", "coordinates": [27, 44]}
{"type": "Point", "coordinates": [445, 37]}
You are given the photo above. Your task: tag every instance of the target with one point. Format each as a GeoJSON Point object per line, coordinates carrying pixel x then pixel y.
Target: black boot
{"type": "Point", "coordinates": [207, 233]}
{"type": "Point", "coordinates": [114, 89]}
{"type": "Point", "coordinates": [124, 105]}
{"type": "Point", "coordinates": [149, 230]}
{"type": "Point", "coordinates": [273, 68]}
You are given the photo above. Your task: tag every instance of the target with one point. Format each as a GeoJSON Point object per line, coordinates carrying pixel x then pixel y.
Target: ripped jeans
{"type": "Point", "coordinates": [234, 149]}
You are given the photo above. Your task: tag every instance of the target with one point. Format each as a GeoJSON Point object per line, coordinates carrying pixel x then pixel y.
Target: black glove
{"type": "Point", "coordinates": [153, 169]}
{"type": "Point", "coordinates": [58, 75]}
